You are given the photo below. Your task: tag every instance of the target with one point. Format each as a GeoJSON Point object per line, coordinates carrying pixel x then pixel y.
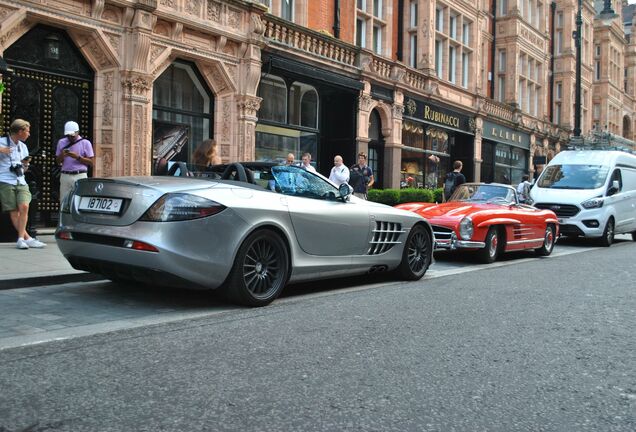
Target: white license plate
{"type": "Point", "coordinates": [100, 204]}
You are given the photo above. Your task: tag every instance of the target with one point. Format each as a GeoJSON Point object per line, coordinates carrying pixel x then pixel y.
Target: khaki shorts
{"type": "Point", "coordinates": [12, 195]}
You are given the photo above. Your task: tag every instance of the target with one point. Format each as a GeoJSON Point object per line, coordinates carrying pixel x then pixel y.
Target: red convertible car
{"type": "Point", "coordinates": [488, 218]}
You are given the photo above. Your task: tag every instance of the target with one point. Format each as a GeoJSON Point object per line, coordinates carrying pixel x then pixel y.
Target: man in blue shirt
{"type": "Point", "coordinates": [361, 177]}
{"type": "Point", "coordinates": [14, 191]}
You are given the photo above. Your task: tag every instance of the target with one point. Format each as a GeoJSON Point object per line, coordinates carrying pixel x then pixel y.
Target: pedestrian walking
{"type": "Point", "coordinates": [361, 177]}
{"type": "Point", "coordinates": [453, 179]}
{"type": "Point", "coordinates": [75, 154]}
{"type": "Point", "coordinates": [339, 173]}
{"type": "Point", "coordinates": [15, 195]}
{"type": "Point", "coordinates": [523, 190]}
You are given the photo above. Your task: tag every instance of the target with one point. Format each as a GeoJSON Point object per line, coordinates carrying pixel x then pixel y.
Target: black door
{"type": "Point", "coordinates": [51, 84]}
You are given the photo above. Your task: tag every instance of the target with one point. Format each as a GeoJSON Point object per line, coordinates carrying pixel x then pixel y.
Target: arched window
{"type": "Point", "coordinates": [288, 119]}
{"type": "Point", "coordinates": [273, 90]}
{"type": "Point", "coordinates": [182, 112]}
{"type": "Point", "coordinates": [303, 105]}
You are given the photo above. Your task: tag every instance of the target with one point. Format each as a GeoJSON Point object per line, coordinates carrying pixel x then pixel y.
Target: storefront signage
{"type": "Point", "coordinates": [434, 114]}
{"type": "Point", "coordinates": [505, 135]}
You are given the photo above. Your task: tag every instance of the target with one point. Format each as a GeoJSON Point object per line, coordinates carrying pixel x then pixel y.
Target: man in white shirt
{"type": "Point", "coordinates": [306, 163]}
{"type": "Point", "coordinates": [339, 173]}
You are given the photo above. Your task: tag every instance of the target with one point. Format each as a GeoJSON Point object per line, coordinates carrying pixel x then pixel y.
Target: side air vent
{"type": "Point", "coordinates": [385, 236]}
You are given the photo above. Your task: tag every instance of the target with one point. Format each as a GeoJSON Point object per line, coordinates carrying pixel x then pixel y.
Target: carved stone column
{"type": "Point", "coordinates": [393, 145]}
{"type": "Point", "coordinates": [477, 161]}
{"type": "Point", "coordinates": [136, 143]}
{"type": "Point", "coordinates": [247, 108]}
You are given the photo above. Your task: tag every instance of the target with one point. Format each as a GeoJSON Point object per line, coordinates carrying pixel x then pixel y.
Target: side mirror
{"type": "Point", "coordinates": [344, 190]}
{"type": "Point", "coordinates": [613, 188]}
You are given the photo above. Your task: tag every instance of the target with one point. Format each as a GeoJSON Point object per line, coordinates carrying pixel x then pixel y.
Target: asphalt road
{"type": "Point", "coordinates": [526, 345]}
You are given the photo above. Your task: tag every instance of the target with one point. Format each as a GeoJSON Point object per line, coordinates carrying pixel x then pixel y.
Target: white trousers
{"type": "Point", "coordinates": [67, 181]}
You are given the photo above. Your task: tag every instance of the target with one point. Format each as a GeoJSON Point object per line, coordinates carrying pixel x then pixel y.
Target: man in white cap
{"type": "Point", "coordinates": [75, 154]}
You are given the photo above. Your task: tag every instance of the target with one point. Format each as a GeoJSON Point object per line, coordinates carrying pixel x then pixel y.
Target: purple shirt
{"type": "Point", "coordinates": [81, 147]}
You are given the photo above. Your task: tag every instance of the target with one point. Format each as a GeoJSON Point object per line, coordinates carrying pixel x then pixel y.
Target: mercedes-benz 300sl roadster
{"type": "Point", "coordinates": [248, 231]}
{"type": "Point", "coordinates": [488, 218]}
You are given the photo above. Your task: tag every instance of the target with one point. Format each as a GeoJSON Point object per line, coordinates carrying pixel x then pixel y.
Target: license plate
{"type": "Point", "coordinates": [100, 204]}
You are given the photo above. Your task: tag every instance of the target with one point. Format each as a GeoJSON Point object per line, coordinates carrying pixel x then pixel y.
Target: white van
{"type": "Point", "coordinates": [593, 193]}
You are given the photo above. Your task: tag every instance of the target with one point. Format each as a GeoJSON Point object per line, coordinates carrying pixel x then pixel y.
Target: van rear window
{"type": "Point", "coordinates": [573, 176]}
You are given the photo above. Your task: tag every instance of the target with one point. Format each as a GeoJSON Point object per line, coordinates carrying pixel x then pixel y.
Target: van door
{"type": "Point", "coordinates": [622, 202]}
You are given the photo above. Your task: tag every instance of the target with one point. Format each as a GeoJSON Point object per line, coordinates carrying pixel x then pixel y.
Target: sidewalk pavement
{"type": "Point", "coordinates": [21, 268]}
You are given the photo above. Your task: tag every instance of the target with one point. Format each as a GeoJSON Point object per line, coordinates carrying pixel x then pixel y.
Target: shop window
{"type": "Point", "coordinates": [425, 156]}
{"type": "Point", "coordinates": [303, 106]}
{"type": "Point", "coordinates": [288, 120]}
{"type": "Point", "coordinates": [182, 112]}
{"type": "Point", "coordinates": [510, 164]}
{"type": "Point", "coordinates": [376, 147]}
{"type": "Point", "coordinates": [273, 90]}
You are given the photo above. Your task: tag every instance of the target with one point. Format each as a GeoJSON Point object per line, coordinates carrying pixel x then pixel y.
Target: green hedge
{"type": "Point", "coordinates": [398, 196]}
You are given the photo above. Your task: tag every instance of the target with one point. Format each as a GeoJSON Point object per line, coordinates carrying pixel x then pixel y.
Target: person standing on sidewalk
{"type": "Point", "coordinates": [361, 177]}
{"type": "Point", "coordinates": [339, 173]}
{"type": "Point", "coordinates": [14, 191]}
{"type": "Point", "coordinates": [76, 156]}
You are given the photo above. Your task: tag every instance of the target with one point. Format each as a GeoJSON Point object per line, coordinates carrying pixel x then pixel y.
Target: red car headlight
{"type": "Point", "coordinates": [466, 228]}
{"type": "Point", "coordinates": [180, 206]}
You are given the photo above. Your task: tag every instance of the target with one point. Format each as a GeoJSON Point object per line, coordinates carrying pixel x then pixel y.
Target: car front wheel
{"type": "Point", "coordinates": [548, 242]}
{"type": "Point", "coordinates": [490, 252]}
{"type": "Point", "coordinates": [417, 254]}
{"type": "Point", "coordinates": [260, 270]}
{"type": "Point", "coordinates": [608, 234]}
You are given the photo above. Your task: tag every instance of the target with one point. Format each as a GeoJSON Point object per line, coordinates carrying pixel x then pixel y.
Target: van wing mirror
{"type": "Point", "coordinates": [613, 188]}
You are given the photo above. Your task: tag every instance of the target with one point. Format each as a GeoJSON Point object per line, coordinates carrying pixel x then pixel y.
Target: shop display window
{"type": "Point", "coordinates": [288, 119]}
{"type": "Point", "coordinates": [510, 164]}
{"type": "Point", "coordinates": [182, 112]}
{"type": "Point", "coordinates": [425, 157]}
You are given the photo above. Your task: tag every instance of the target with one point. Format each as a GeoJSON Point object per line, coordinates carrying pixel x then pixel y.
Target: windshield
{"type": "Point", "coordinates": [573, 177]}
{"type": "Point", "coordinates": [293, 180]}
{"type": "Point", "coordinates": [492, 194]}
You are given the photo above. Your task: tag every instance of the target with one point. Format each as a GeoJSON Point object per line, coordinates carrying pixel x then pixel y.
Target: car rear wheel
{"type": "Point", "coordinates": [490, 252]}
{"type": "Point", "coordinates": [260, 270]}
{"type": "Point", "coordinates": [548, 242]}
{"type": "Point", "coordinates": [608, 234]}
{"type": "Point", "coordinates": [634, 236]}
{"type": "Point", "coordinates": [417, 254]}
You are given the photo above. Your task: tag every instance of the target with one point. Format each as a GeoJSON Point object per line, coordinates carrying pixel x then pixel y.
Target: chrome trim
{"type": "Point", "coordinates": [470, 244]}
{"type": "Point", "coordinates": [514, 242]}
{"type": "Point", "coordinates": [453, 243]}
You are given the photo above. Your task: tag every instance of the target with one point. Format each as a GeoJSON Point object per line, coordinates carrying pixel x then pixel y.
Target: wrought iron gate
{"type": "Point", "coordinates": [47, 92]}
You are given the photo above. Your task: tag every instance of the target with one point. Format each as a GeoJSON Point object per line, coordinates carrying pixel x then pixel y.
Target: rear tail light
{"type": "Point", "coordinates": [179, 207]}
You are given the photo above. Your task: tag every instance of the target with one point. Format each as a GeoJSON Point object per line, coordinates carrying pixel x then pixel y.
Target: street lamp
{"type": "Point", "coordinates": [606, 15]}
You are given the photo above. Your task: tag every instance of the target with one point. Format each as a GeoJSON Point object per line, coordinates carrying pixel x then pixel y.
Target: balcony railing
{"type": "Point", "coordinates": [498, 109]}
{"type": "Point", "coordinates": [310, 41]}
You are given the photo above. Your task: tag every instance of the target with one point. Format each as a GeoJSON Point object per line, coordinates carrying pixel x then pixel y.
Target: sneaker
{"type": "Point", "coordinates": [21, 244]}
{"type": "Point", "coordinates": [35, 243]}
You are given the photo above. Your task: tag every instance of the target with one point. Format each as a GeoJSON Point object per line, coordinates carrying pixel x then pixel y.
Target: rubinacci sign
{"type": "Point", "coordinates": [505, 135]}
{"type": "Point", "coordinates": [422, 111]}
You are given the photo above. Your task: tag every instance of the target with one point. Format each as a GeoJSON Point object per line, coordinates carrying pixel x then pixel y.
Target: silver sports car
{"type": "Point", "coordinates": [247, 231]}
